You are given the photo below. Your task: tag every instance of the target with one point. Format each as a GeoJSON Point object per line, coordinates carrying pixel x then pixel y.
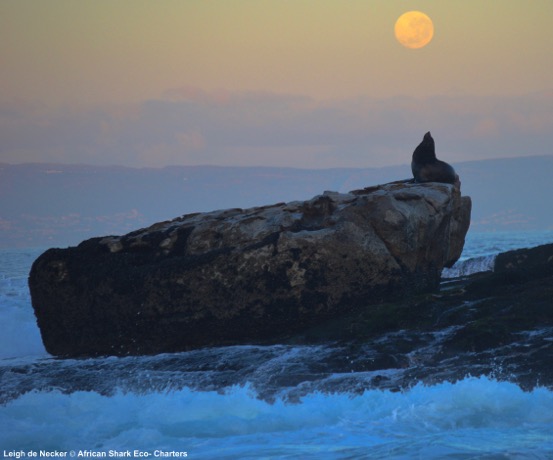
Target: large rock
{"type": "Point", "coordinates": [253, 275]}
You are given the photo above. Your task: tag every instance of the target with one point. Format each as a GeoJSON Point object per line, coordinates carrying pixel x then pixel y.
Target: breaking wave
{"type": "Point", "coordinates": [474, 415]}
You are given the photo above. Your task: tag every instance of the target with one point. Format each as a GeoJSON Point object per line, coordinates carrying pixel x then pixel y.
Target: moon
{"type": "Point", "coordinates": [414, 29]}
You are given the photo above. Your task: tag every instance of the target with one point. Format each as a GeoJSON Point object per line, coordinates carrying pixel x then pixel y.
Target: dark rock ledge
{"type": "Point", "coordinates": [497, 323]}
{"type": "Point", "coordinates": [248, 276]}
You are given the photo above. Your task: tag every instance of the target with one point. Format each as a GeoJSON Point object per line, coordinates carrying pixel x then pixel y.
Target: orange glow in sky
{"type": "Point", "coordinates": [114, 56]}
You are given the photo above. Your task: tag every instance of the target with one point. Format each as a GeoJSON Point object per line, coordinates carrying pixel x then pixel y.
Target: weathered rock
{"type": "Point", "coordinates": [254, 275]}
{"type": "Point", "coordinates": [496, 323]}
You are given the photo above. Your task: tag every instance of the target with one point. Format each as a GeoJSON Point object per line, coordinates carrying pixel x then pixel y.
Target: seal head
{"type": "Point", "coordinates": [426, 167]}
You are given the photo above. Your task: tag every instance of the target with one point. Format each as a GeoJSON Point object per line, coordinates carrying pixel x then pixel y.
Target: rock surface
{"type": "Point", "coordinates": [244, 276]}
{"type": "Point", "coordinates": [497, 324]}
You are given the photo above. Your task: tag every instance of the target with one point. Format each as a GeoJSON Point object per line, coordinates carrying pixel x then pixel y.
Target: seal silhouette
{"type": "Point", "coordinates": [426, 167]}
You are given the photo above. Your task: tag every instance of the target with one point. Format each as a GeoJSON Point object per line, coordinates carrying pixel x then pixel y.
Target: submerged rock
{"type": "Point", "coordinates": [242, 276]}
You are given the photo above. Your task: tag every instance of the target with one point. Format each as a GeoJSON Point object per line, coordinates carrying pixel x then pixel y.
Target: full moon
{"type": "Point", "coordinates": [414, 29]}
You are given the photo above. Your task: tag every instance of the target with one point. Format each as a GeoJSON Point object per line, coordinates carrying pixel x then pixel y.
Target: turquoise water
{"type": "Point", "coordinates": [491, 243]}
{"type": "Point", "coordinates": [462, 420]}
{"type": "Point", "coordinates": [481, 249]}
{"type": "Point", "coordinates": [90, 409]}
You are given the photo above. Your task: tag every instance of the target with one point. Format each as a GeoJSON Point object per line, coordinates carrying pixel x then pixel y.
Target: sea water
{"type": "Point", "coordinates": [271, 407]}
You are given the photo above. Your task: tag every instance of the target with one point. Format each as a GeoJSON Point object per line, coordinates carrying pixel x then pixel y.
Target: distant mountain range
{"type": "Point", "coordinates": [61, 205]}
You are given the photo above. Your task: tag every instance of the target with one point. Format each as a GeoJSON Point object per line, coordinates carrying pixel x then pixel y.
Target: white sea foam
{"type": "Point", "coordinates": [20, 335]}
{"type": "Point", "coordinates": [470, 266]}
{"type": "Point", "coordinates": [475, 415]}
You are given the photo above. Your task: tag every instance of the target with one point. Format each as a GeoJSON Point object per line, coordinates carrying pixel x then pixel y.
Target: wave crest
{"type": "Point", "coordinates": [470, 266]}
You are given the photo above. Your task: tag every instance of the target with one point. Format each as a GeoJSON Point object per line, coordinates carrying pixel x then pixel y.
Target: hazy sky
{"type": "Point", "coordinates": [302, 83]}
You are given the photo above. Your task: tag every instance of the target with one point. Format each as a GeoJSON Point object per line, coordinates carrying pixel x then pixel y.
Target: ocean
{"type": "Point", "coordinates": [258, 402]}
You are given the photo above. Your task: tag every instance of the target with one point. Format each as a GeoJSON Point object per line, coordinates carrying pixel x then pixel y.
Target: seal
{"type": "Point", "coordinates": [427, 168]}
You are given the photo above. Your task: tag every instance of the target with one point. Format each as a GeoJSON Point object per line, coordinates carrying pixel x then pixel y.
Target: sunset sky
{"type": "Point", "coordinates": [303, 83]}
